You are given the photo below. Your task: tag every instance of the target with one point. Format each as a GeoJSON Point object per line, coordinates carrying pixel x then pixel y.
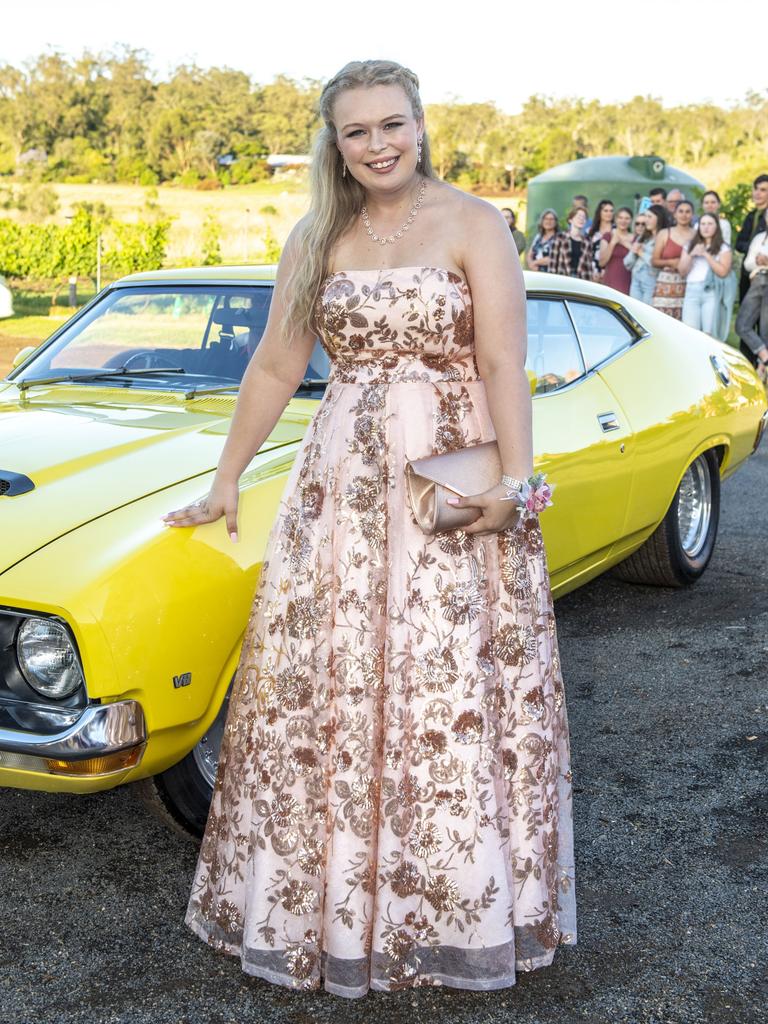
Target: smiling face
{"type": "Point", "coordinates": [606, 215]}
{"type": "Point", "coordinates": [378, 135]}
{"type": "Point", "coordinates": [710, 203]}
{"type": "Point", "coordinates": [651, 220]}
{"type": "Point", "coordinates": [549, 222]}
{"type": "Point", "coordinates": [579, 219]}
{"type": "Point", "coordinates": [623, 220]}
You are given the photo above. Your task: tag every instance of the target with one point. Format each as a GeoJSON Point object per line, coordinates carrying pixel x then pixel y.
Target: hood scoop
{"type": "Point", "coordinates": [14, 483]}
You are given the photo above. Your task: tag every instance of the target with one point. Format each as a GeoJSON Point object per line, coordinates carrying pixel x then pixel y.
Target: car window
{"type": "Point", "coordinates": [207, 332]}
{"type": "Point", "coordinates": [601, 332]}
{"type": "Point", "coordinates": [202, 330]}
{"type": "Point", "coordinates": [553, 350]}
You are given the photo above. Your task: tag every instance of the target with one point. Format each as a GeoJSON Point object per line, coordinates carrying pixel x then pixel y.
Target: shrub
{"type": "Point", "coordinates": [211, 239]}
{"type": "Point", "coordinates": [139, 246]}
{"type": "Point", "coordinates": [188, 179]}
{"type": "Point", "coordinates": [36, 251]}
{"type": "Point", "coordinates": [272, 248]}
{"type": "Point", "coordinates": [736, 203]}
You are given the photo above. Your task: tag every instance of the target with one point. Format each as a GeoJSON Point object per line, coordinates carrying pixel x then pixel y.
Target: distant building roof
{"type": "Point", "coordinates": [286, 159]}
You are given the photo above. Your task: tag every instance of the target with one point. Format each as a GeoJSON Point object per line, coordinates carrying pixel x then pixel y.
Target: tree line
{"type": "Point", "coordinates": [106, 117]}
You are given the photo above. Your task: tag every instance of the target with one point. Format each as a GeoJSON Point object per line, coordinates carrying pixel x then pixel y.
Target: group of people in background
{"type": "Point", "coordinates": [669, 255]}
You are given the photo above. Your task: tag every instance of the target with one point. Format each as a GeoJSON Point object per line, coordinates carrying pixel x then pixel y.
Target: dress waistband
{"type": "Point", "coordinates": [399, 369]}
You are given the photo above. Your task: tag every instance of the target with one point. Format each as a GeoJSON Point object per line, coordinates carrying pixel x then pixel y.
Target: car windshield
{"type": "Point", "coordinates": [180, 337]}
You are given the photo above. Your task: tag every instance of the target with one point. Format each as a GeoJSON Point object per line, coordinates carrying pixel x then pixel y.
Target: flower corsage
{"type": "Point", "coordinates": [533, 496]}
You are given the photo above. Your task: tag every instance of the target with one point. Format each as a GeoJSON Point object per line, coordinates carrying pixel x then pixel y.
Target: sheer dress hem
{"type": "Point", "coordinates": [212, 935]}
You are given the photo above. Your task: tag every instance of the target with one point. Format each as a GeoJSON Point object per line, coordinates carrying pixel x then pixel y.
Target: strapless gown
{"type": "Point", "coordinates": [392, 806]}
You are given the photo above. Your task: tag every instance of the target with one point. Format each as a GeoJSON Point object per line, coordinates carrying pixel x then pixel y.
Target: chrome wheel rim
{"type": "Point", "coordinates": [206, 752]}
{"type": "Point", "coordinates": [694, 507]}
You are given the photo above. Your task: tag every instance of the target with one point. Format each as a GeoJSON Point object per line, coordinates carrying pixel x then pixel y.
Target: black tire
{"type": "Point", "coordinates": [678, 551]}
{"type": "Point", "coordinates": [181, 795]}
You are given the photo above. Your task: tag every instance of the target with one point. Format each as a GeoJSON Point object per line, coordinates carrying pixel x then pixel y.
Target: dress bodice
{"type": "Point", "coordinates": [404, 323]}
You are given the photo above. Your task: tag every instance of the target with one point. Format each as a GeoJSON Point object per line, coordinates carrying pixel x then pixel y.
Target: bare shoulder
{"type": "Point", "coordinates": [471, 210]}
{"type": "Point", "coordinates": [469, 224]}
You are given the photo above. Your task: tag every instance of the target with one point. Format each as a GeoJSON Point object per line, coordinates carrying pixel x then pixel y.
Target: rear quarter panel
{"type": "Point", "coordinates": [677, 407]}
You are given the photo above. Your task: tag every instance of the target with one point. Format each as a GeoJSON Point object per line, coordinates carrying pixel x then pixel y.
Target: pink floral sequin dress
{"type": "Point", "coordinates": [392, 806]}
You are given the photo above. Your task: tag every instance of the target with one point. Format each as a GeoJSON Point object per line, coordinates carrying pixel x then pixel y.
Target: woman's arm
{"type": "Point", "coordinates": [685, 263]}
{"type": "Point", "coordinates": [495, 278]}
{"type": "Point", "coordinates": [720, 264]}
{"type": "Point", "coordinates": [530, 259]}
{"type": "Point", "coordinates": [606, 249]}
{"type": "Point", "coordinates": [750, 260]}
{"type": "Point", "coordinates": [269, 382]}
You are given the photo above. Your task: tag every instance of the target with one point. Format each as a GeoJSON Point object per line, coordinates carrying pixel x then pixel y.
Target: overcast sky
{"type": "Point", "coordinates": [682, 51]}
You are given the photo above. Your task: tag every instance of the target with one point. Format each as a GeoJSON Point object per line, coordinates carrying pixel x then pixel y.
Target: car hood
{"type": "Point", "coordinates": [90, 452]}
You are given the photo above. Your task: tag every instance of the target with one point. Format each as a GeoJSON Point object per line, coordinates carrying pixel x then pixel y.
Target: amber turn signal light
{"type": "Point", "coordinates": [97, 765]}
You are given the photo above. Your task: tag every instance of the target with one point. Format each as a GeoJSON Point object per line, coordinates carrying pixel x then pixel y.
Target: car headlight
{"type": "Point", "coordinates": [47, 658]}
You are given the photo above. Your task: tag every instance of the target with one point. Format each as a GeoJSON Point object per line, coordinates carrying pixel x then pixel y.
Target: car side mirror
{"type": "Point", "coordinates": [22, 354]}
{"type": "Point", "coordinates": [533, 380]}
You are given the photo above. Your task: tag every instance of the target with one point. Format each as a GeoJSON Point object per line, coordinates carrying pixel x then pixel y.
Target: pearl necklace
{"type": "Point", "coordinates": [383, 239]}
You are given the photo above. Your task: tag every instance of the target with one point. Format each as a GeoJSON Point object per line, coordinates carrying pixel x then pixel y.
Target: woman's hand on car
{"type": "Point", "coordinates": [221, 501]}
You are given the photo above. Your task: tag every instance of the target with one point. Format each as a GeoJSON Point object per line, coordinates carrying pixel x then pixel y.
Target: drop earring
{"type": "Point", "coordinates": [344, 172]}
{"type": "Point", "coordinates": [418, 152]}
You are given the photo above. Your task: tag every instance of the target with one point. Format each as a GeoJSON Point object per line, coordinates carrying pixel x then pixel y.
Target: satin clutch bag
{"type": "Point", "coordinates": [429, 481]}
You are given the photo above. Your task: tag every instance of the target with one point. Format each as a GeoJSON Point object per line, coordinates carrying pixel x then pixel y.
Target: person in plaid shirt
{"type": "Point", "coordinates": [571, 252]}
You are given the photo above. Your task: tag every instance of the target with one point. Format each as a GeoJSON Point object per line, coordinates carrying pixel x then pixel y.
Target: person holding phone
{"type": "Point", "coordinates": [639, 259]}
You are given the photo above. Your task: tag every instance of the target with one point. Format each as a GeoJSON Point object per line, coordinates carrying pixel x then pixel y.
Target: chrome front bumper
{"type": "Point", "coordinates": [96, 731]}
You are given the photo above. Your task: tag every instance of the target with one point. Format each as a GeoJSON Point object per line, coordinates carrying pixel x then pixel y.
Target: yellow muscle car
{"type": "Point", "coordinates": [119, 637]}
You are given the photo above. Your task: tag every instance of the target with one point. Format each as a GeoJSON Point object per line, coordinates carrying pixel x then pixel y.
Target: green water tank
{"type": "Point", "coordinates": [622, 179]}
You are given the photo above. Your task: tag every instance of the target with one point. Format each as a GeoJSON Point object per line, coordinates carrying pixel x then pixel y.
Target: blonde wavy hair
{"type": "Point", "coordinates": [335, 199]}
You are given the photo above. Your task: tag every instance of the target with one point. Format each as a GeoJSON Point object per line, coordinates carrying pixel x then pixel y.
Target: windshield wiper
{"type": "Point", "coordinates": [193, 392]}
{"type": "Point", "coordinates": [306, 385]}
{"type": "Point", "coordinates": [120, 371]}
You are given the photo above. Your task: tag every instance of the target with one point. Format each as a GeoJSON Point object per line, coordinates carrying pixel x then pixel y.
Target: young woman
{"type": "Point", "coordinates": [599, 234]}
{"type": "Point", "coordinates": [614, 250]}
{"type": "Point", "coordinates": [639, 259]}
{"type": "Point", "coordinates": [670, 241]}
{"type": "Point", "coordinates": [705, 263]}
{"type": "Point", "coordinates": [710, 203]}
{"type": "Point", "coordinates": [396, 690]}
{"type": "Point", "coordinates": [571, 252]}
{"type": "Point", "coordinates": [539, 255]}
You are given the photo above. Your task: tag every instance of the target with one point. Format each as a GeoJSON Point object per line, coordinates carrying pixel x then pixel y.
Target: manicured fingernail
{"type": "Point", "coordinates": [234, 537]}
{"type": "Point", "coordinates": [452, 501]}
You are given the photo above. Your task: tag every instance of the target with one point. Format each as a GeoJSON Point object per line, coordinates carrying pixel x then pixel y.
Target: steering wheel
{"type": "Point", "coordinates": [150, 360]}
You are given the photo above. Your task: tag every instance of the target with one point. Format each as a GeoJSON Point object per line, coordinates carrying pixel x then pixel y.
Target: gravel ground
{"type": "Point", "coordinates": [667, 705]}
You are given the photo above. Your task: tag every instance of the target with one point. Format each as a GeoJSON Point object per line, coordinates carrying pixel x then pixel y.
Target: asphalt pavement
{"type": "Point", "coordinates": [667, 702]}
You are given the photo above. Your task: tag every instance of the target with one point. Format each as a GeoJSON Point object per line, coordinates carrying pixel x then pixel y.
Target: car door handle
{"type": "Point", "coordinates": [608, 421]}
